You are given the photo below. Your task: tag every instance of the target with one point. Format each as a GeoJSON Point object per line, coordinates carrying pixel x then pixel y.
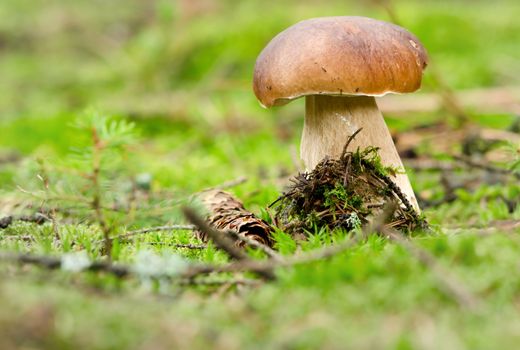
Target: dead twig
{"type": "Point", "coordinates": [44, 177]}
{"type": "Point", "coordinates": [96, 202]}
{"type": "Point", "coordinates": [255, 266]}
{"type": "Point", "coordinates": [10, 156]}
{"type": "Point", "coordinates": [53, 263]}
{"type": "Point", "coordinates": [305, 258]}
{"type": "Point", "coordinates": [485, 166]}
{"type": "Point", "coordinates": [25, 238]}
{"type": "Point", "coordinates": [391, 184]}
{"type": "Point", "coordinates": [230, 184]}
{"type": "Point", "coordinates": [38, 218]}
{"type": "Point", "coordinates": [495, 99]}
{"type": "Point", "coordinates": [256, 244]}
{"type": "Point", "coordinates": [349, 140]}
{"type": "Point", "coordinates": [221, 240]}
{"type": "Point", "coordinates": [427, 164]}
{"type": "Point", "coordinates": [129, 234]}
{"type": "Point", "coordinates": [448, 283]}
{"type": "Point", "coordinates": [212, 283]}
{"type": "Point", "coordinates": [218, 237]}
{"type": "Point", "coordinates": [494, 227]}
{"type": "Point", "coordinates": [179, 245]}
{"type": "Point", "coordinates": [261, 267]}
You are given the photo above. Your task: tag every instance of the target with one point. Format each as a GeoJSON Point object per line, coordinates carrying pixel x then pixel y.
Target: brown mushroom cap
{"type": "Point", "coordinates": [338, 56]}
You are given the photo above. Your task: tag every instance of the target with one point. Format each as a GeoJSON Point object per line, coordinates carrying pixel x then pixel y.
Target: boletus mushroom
{"type": "Point", "coordinates": [340, 64]}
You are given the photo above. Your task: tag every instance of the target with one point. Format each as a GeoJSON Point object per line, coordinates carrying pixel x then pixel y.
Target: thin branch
{"type": "Point", "coordinates": [494, 227]}
{"type": "Point", "coordinates": [261, 267]}
{"type": "Point", "coordinates": [37, 218]}
{"type": "Point", "coordinates": [222, 241]}
{"type": "Point", "coordinates": [504, 99]}
{"type": "Point", "coordinates": [44, 177]}
{"type": "Point", "coordinates": [218, 237]}
{"type": "Point", "coordinates": [448, 283]}
{"type": "Point", "coordinates": [96, 203]}
{"type": "Point", "coordinates": [125, 236]}
{"type": "Point", "coordinates": [257, 266]}
{"type": "Point", "coordinates": [231, 183]}
{"type": "Point", "coordinates": [53, 263]}
{"type": "Point", "coordinates": [122, 271]}
{"type": "Point", "coordinates": [256, 244]}
{"type": "Point", "coordinates": [212, 283]}
{"type": "Point", "coordinates": [349, 140]}
{"type": "Point", "coordinates": [391, 184]}
{"type": "Point", "coordinates": [430, 165]}
{"type": "Point", "coordinates": [485, 166]}
{"type": "Point", "coordinates": [25, 238]}
{"type": "Point", "coordinates": [317, 254]}
{"type": "Point", "coordinates": [179, 245]}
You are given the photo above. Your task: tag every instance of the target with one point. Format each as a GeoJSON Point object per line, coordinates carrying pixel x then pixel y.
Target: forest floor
{"type": "Point", "coordinates": [113, 116]}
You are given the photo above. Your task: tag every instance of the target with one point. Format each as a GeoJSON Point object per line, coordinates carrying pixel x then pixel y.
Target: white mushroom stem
{"type": "Point", "coordinates": [330, 120]}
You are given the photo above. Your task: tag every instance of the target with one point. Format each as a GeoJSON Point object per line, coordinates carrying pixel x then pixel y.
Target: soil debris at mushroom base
{"type": "Point", "coordinates": [344, 193]}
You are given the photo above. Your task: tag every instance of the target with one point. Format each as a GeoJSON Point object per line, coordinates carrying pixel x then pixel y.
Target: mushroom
{"type": "Point", "coordinates": [340, 64]}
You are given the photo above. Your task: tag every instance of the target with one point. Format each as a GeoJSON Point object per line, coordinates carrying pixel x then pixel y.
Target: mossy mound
{"type": "Point", "coordinates": [344, 193]}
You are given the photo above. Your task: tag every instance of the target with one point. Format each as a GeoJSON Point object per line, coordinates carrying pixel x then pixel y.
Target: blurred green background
{"type": "Point", "coordinates": [182, 71]}
{"type": "Point", "coordinates": [191, 61]}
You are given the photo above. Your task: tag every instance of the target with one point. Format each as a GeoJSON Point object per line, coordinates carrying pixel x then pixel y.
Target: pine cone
{"type": "Point", "coordinates": [228, 213]}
